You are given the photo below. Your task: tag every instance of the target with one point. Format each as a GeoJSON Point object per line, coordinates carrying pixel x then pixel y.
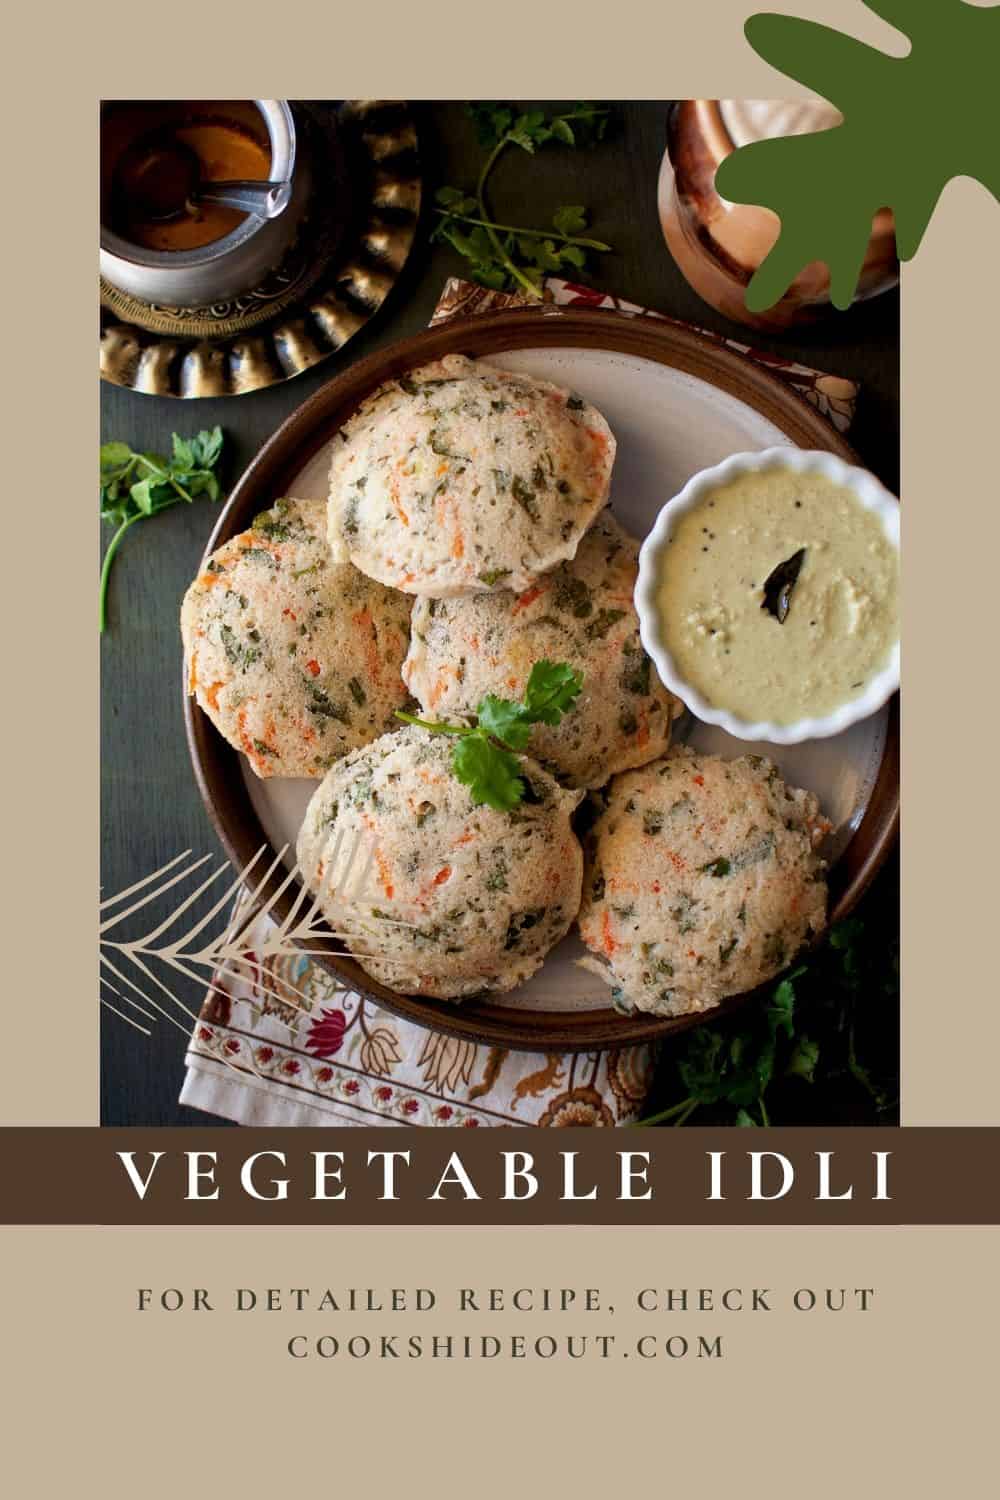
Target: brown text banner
{"type": "Point", "coordinates": [576, 1176]}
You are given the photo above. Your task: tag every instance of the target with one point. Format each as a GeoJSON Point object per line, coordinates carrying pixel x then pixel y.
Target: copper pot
{"type": "Point", "coordinates": [719, 245]}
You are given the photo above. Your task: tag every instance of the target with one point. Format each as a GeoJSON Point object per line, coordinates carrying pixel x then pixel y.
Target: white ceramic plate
{"type": "Point", "coordinates": [668, 425]}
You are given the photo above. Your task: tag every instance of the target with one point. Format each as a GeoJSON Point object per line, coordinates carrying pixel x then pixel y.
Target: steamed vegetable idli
{"type": "Point", "coordinates": [459, 897]}
{"type": "Point", "coordinates": [702, 880]}
{"type": "Point", "coordinates": [295, 658]}
{"type": "Point", "coordinates": [581, 613]}
{"type": "Point", "coordinates": [460, 477]}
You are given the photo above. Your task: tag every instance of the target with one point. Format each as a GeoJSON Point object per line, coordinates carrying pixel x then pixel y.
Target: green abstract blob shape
{"type": "Point", "coordinates": [910, 125]}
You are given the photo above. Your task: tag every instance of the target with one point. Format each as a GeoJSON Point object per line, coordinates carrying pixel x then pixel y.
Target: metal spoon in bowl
{"type": "Point", "coordinates": [163, 181]}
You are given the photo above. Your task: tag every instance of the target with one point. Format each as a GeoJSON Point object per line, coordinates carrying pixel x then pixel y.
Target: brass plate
{"type": "Point", "coordinates": [329, 284]}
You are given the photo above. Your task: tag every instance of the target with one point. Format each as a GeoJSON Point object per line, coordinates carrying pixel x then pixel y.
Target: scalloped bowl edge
{"type": "Point", "coordinates": [873, 496]}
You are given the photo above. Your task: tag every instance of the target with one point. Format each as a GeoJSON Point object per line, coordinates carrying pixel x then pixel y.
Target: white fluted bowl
{"type": "Point", "coordinates": [871, 494]}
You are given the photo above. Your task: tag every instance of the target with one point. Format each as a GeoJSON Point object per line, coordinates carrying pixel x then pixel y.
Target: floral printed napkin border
{"type": "Point", "coordinates": [285, 1044]}
{"type": "Point", "coordinates": [832, 395]}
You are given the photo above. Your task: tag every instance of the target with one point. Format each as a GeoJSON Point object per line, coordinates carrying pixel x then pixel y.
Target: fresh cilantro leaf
{"type": "Point", "coordinates": [589, 122]}
{"type": "Point", "coordinates": [115, 460]}
{"type": "Point", "coordinates": [552, 690]}
{"type": "Point", "coordinates": [507, 256]}
{"type": "Point", "coordinates": [572, 255]}
{"type": "Point", "coordinates": [458, 238]}
{"type": "Point", "coordinates": [802, 1063]}
{"type": "Point", "coordinates": [492, 774]}
{"type": "Point", "coordinates": [702, 1068]}
{"type": "Point", "coordinates": [809, 1027]}
{"type": "Point", "coordinates": [455, 199]}
{"type": "Point", "coordinates": [781, 1009]}
{"type": "Point", "coordinates": [492, 121]}
{"type": "Point", "coordinates": [205, 483]}
{"type": "Point", "coordinates": [529, 130]}
{"type": "Point", "coordinates": [142, 495]}
{"type": "Point", "coordinates": [484, 757]}
{"type": "Point", "coordinates": [542, 253]}
{"type": "Point", "coordinates": [570, 220]}
{"type": "Point", "coordinates": [846, 935]}
{"type": "Point", "coordinates": [506, 721]}
{"type": "Point", "coordinates": [134, 486]}
{"type": "Point", "coordinates": [478, 246]}
{"type": "Point", "coordinates": [491, 276]}
{"type": "Point", "coordinates": [206, 446]}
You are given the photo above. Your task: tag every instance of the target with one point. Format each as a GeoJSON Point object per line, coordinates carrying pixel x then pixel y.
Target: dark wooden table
{"type": "Point", "coordinates": [150, 806]}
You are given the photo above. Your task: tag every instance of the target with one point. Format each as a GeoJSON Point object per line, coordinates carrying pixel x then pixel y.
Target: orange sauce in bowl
{"type": "Point", "coordinates": [226, 149]}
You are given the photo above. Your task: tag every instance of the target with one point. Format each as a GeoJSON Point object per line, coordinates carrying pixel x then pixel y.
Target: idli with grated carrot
{"type": "Point", "coordinates": [459, 477]}
{"type": "Point", "coordinates": [294, 657]}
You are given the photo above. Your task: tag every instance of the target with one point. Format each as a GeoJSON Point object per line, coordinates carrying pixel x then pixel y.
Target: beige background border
{"type": "Point", "coordinates": [896, 1401]}
{"type": "Point", "coordinates": [171, 1410]}
{"type": "Point", "coordinates": [951, 1026]}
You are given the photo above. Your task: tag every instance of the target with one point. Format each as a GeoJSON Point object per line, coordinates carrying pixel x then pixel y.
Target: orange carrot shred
{"type": "Point", "coordinates": [528, 597]}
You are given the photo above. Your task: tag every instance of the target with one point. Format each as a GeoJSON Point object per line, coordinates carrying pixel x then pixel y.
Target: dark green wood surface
{"type": "Point", "coordinates": [150, 806]}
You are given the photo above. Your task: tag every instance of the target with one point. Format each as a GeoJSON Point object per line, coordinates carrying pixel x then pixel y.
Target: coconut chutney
{"type": "Point", "coordinates": [778, 596]}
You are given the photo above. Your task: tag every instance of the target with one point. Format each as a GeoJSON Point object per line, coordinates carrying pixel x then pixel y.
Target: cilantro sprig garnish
{"type": "Point", "coordinates": [821, 1028]}
{"type": "Point", "coordinates": [135, 486]}
{"type": "Point", "coordinates": [504, 256]}
{"type": "Point", "coordinates": [484, 758]}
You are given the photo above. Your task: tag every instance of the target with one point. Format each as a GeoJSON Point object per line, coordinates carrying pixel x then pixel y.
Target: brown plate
{"type": "Point", "coordinates": [217, 767]}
